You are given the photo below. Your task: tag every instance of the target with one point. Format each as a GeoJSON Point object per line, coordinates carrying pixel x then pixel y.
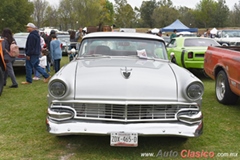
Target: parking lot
{"type": "Point", "coordinates": [24, 135]}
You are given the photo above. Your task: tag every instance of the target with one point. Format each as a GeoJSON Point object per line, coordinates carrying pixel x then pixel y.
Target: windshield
{"type": "Point", "coordinates": [21, 41]}
{"type": "Point", "coordinates": [64, 38]}
{"type": "Point", "coordinates": [230, 33]}
{"type": "Point", "coordinates": [142, 48]}
{"type": "Point", "coordinates": [200, 42]}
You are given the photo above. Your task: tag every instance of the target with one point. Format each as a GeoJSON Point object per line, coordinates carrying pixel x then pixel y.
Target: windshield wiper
{"type": "Point", "coordinates": [147, 58]}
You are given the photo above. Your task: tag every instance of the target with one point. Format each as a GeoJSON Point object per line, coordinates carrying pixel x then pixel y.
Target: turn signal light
{"type": "Point", "coordinates": [190, 54]}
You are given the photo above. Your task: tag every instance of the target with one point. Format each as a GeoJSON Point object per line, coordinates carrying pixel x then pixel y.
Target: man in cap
{"type": "Point", "coordinates": [33, 51]}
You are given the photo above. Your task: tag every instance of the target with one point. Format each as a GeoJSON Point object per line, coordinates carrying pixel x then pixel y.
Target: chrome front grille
{"type": "Point", "coordinates": [115, 112]}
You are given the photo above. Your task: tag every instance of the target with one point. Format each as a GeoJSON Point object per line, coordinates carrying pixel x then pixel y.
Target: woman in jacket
{"type": "Point", "coordinates": [8, 40]}
{"type": "Point", "coordinates": [56, 52]}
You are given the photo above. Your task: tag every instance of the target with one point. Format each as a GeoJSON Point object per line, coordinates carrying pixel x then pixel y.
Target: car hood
{"type": "Point", "coordinates": [103, 79]}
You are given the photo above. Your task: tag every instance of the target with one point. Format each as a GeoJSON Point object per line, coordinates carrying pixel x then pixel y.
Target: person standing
{"type": "Point", "coordinates": [72, 40]}
{"type": "Point", "coordinates": [8, 40]}
{"type": "Point", "coordinates": [79, 35]}
{"type": "Point", "coordinates": [174, 34]}
{"type": "Point", "coordinates": [159, 33]}
{"type": "Point", "coordinates": [36, 73]}
{"type": "Point", "coordinates": [33, 51]}
{"type": "Point", "coordinates": [73, 43]}
{"type": "Point", "coordinates": [49, 58]}
{"type": "Point", "coordinates": [56, 52]}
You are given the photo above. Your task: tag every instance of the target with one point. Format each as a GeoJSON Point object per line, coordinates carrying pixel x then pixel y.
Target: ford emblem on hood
{"type": "Point", "coordinates": [126, 72]}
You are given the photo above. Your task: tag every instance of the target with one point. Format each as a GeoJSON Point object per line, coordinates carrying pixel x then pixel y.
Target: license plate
{"type": "Point", "coordinates": [124, 139]}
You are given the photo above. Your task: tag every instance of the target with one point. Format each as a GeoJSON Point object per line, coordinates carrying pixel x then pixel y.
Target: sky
{"type": "Point", "coordinates": [186, 3]}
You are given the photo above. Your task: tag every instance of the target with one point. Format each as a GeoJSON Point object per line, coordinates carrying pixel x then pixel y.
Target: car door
{"type": "Point", "coordinates": [171, 47]}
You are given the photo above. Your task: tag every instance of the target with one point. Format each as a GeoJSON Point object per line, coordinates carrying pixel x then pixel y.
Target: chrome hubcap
{"type": "Point", "coordinates": [220, 87]}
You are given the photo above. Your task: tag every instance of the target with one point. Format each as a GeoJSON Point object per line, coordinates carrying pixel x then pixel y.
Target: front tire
{"type": "Point", "coordinates": [223, 91]}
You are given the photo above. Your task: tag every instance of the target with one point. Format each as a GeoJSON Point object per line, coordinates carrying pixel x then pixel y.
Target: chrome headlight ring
{"type": "Point", "coordinates": [194, 91]}
{"type": "Point", "coordinates": [61, 113]}
{"type": "Point", "coordinates": [57, 89]}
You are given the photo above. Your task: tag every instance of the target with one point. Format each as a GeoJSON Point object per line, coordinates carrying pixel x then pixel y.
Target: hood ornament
{"type": "Point", "coordinates": [126, 72]}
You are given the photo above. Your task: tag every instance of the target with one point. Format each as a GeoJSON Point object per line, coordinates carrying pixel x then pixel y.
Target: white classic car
{"type": "Point", "coordinates": [123, 85]}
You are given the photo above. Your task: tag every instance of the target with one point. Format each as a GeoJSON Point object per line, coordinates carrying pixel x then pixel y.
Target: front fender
{"type": "Point", "coordinates": [183, 58]}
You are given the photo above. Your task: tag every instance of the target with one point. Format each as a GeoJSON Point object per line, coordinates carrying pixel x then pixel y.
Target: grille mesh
{"type": "Point", "coordinates": [127, 112]}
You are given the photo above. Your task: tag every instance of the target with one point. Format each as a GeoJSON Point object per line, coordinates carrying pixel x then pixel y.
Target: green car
{"type": "Point", "coordinates": [188, 52]}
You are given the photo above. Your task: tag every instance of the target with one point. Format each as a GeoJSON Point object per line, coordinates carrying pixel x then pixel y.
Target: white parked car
{"type": "Point", "coordinates": [123, 85]}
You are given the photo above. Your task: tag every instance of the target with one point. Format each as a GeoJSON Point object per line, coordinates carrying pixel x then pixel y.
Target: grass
{"type": "Point", "coordinates": [24, 136]}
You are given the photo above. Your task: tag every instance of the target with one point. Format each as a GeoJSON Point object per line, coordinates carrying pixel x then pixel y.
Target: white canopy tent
{"type": "Point", "coordinates": [213, 31]}
{"type": "Point", "coordinates": [154, 30]}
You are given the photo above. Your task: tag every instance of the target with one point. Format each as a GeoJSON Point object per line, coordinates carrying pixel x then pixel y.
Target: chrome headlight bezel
{"type": "Point", "coordinates": [60, 113]}
{"type": "Point", "coordinates": [58, 89]}
{"type": "Point", "coordinates": [194, 91]}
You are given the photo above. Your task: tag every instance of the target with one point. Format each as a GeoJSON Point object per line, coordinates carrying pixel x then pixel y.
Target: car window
{"type": "Point", "coordinates": [219, 34]}
{"type": "Point", "coordinates": [166, 39]}
{"type": "Point", "coordinates": [123, 47]}
{"type": "Point", "coordinates": [231, 33]}
{"type": "Point", "coordinates": [65, 39]}
{"type": "Point", "coordinates": [200, 42]}
{"type": "Point", "coordinates": [21, 41]}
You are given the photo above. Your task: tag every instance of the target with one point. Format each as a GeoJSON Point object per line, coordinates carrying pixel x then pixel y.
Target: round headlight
{"type": "Point", "coordinates": [57, 89]}
{"type": "Point", "coordinates": [195, 91]}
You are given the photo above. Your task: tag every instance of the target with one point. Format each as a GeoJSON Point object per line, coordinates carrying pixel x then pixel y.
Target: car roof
{"type": "Point", "coordinates": [21, 34]}
{"type": "Point", "coordinates": [180, 40]}
{"type": "Point", "coordinates": [182, 37]}
{"type": "Point", "coordinates": [63, 35]}
{"type": "Point", "coordinates": [229, 30]}
{"type": "Point", "coordinates": [123, 35]}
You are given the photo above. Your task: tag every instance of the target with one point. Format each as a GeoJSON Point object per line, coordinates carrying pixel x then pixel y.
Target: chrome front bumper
{"type": "Point", "coordinates": [19, 63]}
{"type": "Point", "coordinates": [143, 129]}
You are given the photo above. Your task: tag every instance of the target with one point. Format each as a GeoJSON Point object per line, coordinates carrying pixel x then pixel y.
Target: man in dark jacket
{"type": "Point", "coordinates": [33, 51]}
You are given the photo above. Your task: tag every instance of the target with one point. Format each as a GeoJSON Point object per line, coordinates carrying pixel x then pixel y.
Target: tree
{"type": "Point", "coordinates": [124, 14]}
{"type": "Point", "coordinates": [164, 14]}
{"type": "Point", "coordinates": [138, 20]}
{"type": "Point", "coordinates": [74, 13]}
{"type": "Point", "coordinates": [146, 11]}
{"type": "Point", "coordinates": [234, 15]}
{"type": "Point", "coordinates": [51, 18]}
{"type": "Point", "coordinates": [106, 13]}
{"type": "Point", "coordinates": [87, 12]}
{"type": "Point", "coordinates": [204, 12]}
{"type": "Point", "coordinates": [186, 16]}
{"type": "Point", "coordinates": [15, 14]}
{"type": "Point", "coordinates": [66, 14]}
{"type": "Point", "coordinates": [221, 13]}
{"type": "Point", "coordinates": [40, 7]}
